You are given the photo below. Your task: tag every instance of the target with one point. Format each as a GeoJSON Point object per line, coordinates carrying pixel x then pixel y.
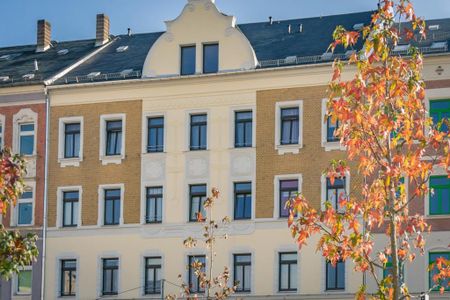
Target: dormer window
{"type": "Point", "coordinates": [188, 60]}
{"type": "Point", "coordinates": [210, 58]}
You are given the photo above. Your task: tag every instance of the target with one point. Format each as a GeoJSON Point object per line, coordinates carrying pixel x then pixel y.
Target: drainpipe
{"type": "Point", "coordinates": [44, 231]}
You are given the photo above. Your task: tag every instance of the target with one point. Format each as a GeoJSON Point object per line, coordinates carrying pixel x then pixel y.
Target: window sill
{"type": "Point", "coordinates": [333, 146]}
{"type": "Point", "coordinates": [113, 159]}
{"type": "Point", "coordinates": [285, 149]}
{"type": "Point", "coordinates": [70, 162]}
{"type": "Point", "coordinates": [437, 217]}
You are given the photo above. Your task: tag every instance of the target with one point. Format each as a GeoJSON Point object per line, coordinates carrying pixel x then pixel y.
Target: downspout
{"type": "Point", "coordinates": [44, 230]}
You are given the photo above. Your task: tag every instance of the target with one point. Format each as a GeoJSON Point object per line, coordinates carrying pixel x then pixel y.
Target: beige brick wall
{"type": "Point", "coordinates": [312, 158]}
{"type": "Point", "coordinates": [91, 173]}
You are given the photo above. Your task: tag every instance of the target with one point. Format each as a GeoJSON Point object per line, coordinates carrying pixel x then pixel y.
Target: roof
{"type": "Point", "coordinates": [274, 46]}
{"type": "Point", "coordinates": [15, 62]}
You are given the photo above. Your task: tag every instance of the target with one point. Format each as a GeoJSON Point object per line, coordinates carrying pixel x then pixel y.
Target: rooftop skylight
{"type": "Point", "coordinates": [93, 74]}
{"type": "Point", "coordinates": [28, 76]}
{"type": "Point", "coordinates": [358, 26]}
{"type": "Point", "coordinates": [63, 51]}
{"type": "Point", "coordinates": [4, 78]}
{"type": "Point", "coordinates": [126, 72]}
{"type": "Point", "coordinates": [433, 27]}
{"type": "Point", "coordinates": [122, 49]}
{"type": "Point", "coordinates": [438, 45]}
{"type": "Point", "coordinates": [401, 48]}
{"type": "Point", "coordinates": [10, 56]}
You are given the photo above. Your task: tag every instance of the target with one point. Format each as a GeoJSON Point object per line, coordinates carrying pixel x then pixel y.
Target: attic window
{"type": "Point", "coordinates": [63, 51]}
{"type": "Point", "coordinates": [438, 45]}
{"type": "Point", "coordinates": [126, 72]}
{"type": "Point", "coordinates": [122, 49]}
{"type": "Point", "coordinates": [433, 27]}
{"type": "Point", "coordinates": [358, 26]}
{"type": "Point", "coordinates": [28, 76]}
{"type": "Point", "coordinates": [291, 59]}
{"type": "Point", "coordinates": [327, 56]}
{"type": "Point", "coordinates": [93, 74]}
{"type": "Point", "coordinates": [401, 48]}
{"type": "Point", "coordinates": [4, 78]}
{"type": "Point", "coordinates": [10, 56]}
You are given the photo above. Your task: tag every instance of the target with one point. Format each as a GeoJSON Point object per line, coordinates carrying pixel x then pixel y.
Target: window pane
{"type": "Point", "coordinates": [247, 278]}
{"type": "Point", "coordinates": [24, 279]}
{"type": "Point", "coordinates": [67, 213]}
{"type": "Point", "coordinates": [331, 276]}
{"type": "Point", "coordinates": [203, 137]}
{"type": "Point", "coordinates": [27, 195]}
{"type": "Point", "coordinates": [25, 213]}
{"type": "Point", "coordinates": [27, 145]}
{"type": "Point", "coordinates": [341, 275]}
{"type": "Point", "coordinates": [188, 60]}
{"type": "Point", "coordinates": [27, 127]}
{"type": "Point", "coordinates": [284, 277]}
{"type": "Point", "coordinates": [293, 271]}
{"type": "Point", "coordinates": [116, 211]}
{"type": "Point", "coordinates": [211, 58]}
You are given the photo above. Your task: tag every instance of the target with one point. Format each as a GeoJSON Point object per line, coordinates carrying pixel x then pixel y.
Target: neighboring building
{"type": "Point", "coordinates": [24, 73]}
{"type": "Point", "coordinates": [141, 132]}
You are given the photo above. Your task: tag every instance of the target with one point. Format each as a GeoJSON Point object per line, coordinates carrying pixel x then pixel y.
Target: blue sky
{"type": "Point", "coordinates": [75, 19]}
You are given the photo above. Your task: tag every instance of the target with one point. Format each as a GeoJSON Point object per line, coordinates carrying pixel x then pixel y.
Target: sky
{"type": "Point", "coordinates": [75, 19]}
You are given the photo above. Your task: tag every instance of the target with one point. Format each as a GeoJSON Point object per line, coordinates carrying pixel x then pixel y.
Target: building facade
{"type": "Point", "coordinates": [144, 128]}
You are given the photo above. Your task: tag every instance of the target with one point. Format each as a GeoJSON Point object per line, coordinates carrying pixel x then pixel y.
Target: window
{"type": "Point", "coordinates": [152, 276]}
{"type": "Point", "coordinates": [440, 110]}
{"type": "Point", "coordinates": [26, 139]}
{"type": "Point", "coordinates": [242, 200]}
{"type": "Point", "coordinates": [70, 208]}
{"type": "Point", "coordinates": [243, 129]}
{"type": "Point", "coordinates": [194, 283]}
{"type": "Point", "coordinates": [197, 195]}
{"type": "Point", "coordinates": [243, 272]}
{"type": "Point", "coordinates": [287, 272]}
{"type": "Point", "coordinates": [335, 276]}
{"type": "Point", "coordinates": [336, 191]}
{"type": "Point", "coordinates": [210, 58]}
{"type": "Point", "coordinates": [387, 271]}
{"type": "Point", "coordinates": [188, 60]}
{"type": "Point", "coordinates": [113, 137]}
{"type": "Point", "coordinates": [110, 276]}
{"type": "Point", "coordinates": [198, 132]}
{"type": "Point", "coordinates": [439, 195]}
{"type": "Point", "coordinates": [154, 205]}
{"type": "Point", "coordinates": [68, 277]}
{"type": "Point", "coordinates": [24, 281]}
{"type": "Point", "coordinates": [433, 256]}
{"type": "Point", "coordinates": [112, 207]}
{"type": "Point", "coordinates": [72, 140]}
{"type": "Point", "coordinates": [288, 190]}
{"type": "Point", "coordinates": [155, 135]}
{"type": "Point", "coordinates": [289, 126]}
{"type": "Point", "coordinates": [331, 128]}
{"type": "Point", "coordinates": [25, 209]}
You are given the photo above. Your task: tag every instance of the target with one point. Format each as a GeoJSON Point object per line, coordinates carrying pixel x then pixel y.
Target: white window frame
{"type": "Point", "coordinates": [15, 283]}
{"type": "Point", "coordinates": [2, 133]}
{"type": "Point", "coordinates": [60, 204]}
{"type": "Point", "coordinates": [295, 148]}
{"type": "Point", "coordinates": [24, 116]}
{"type": "Point", "coordinates": [29, 186]}
{"type": "Point", "coordinates": [114, 159]}
{"type": "Point", "coordinates": [437, 171]}
{"type": "Point", "coordinates": [74, 162]}
{"type": "Point", "coordinates": [276, 183]}
{"type": "Point", "coordinates": [145, 118]}
{"type": "Point", "coordinates": [101, 203]}
{"type": "Point", "coordinates": [323, 187]}
{"type": "Point", "coordinates": [329, 146]}
{"type": "Point", "coordinates": [233, 112]}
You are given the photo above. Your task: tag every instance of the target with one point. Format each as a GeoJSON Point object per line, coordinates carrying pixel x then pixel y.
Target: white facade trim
{"type": "Point", "coordinates": [329, 146]}
{"type": "Point", "coordinates": [74, 162]}
{"type": "Point", "coordinates": [24, 116]}
{"type": "Point", "coordinates": [101, 202]}
{"type": "Point", "coordinates": [59, 204]}
{"type": "Point", "coordinates": [284, 149]}
{"type": "Point", "coordinates": [115, 159]}
{"type": "Point", "coordinates": [276, 184]}
{"type": "Point", "coordinates": [2, 133]}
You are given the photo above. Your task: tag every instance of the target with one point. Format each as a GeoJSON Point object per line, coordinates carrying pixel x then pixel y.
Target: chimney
{"type": "Point", "coordinates": [102, 32]}
{"type": "Point", "coordinates": [43, 36]}
{"type": "Point", "coordinates": [270, 20]}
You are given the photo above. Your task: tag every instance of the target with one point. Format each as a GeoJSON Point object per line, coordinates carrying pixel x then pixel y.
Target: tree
{"type": "Point", "coordinates": [15, 250]}
{"type": "Point", "coordinates": [384, 126]}
{"type": "Point", "coordinates": [215, 286]}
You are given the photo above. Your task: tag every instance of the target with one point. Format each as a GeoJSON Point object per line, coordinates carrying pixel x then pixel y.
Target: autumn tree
{"type": "Point", "coordinates": [214, 286]}
{"type": "Point", "coordinates": [16, 250]}
{"type": "Point", "coordinates": [384, 125]}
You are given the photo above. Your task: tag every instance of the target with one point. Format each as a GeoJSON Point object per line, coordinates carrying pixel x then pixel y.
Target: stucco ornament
{"type": "Point", "coordinates": [154, 170]}
{"type": "Point", "coordinates": [198, 167]}
{"type": "Point", "coordinates": [199, 23]}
